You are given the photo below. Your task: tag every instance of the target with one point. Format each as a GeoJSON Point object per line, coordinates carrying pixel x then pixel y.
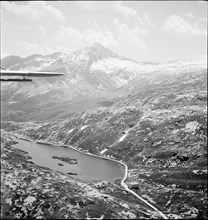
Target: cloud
{"type": "Point", "coordinates": [189, 15]}
{"type": "Point", "coordinates": [128, 32]}
{"type": "Point", "coordinates": [199, 56]}
{"type": "Point", "coordinates": [122, 34]}
{"type": "Point", "coordinates": [130, 36]}
{"type": "Point", "coordinates": [177, 24]}
{"type": "Point", "coordinates": [147, 20]}
{"type": "Point", "coordinates": [43, 50]}
{"type": "Point", "coordinates": [127, 12]}
{"type": "Point", "coordinates": [3, 54]}
{"type": "Point", "coordinates": [34, 48]}
{"type": "Point", "coordinates": [42, 30]}
{"type": "Point", "coordinates": [26, 27]}
{"type": "Point", "coordinates": [33, 28]}
{"type": "Point", "coordinates": [93, 5]}
{"type": "Point", "coordinates": [73, 36]}
{"type": "Point", "coordinates": [34, 10]}
{"type": "Point", "coordinates": [132, 15]}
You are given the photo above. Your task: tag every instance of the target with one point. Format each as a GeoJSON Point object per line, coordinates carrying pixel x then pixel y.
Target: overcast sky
{"type": "Point", "coordinates": [144, 31]}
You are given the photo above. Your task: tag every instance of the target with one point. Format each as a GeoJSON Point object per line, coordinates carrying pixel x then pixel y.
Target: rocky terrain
{"type": "Point", "coordinates": [30, 191]}
{"type": "Point", "coordinates": [94, 77]}
{"type": "Point", "coordinates": [155, 121]}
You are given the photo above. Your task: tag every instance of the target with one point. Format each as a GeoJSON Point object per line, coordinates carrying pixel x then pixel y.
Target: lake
{"type": "Point", "coordinates": [87, 167]}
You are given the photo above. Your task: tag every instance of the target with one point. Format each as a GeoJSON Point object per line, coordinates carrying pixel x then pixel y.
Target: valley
{"type": "Point", "coordinates": [150, 116]}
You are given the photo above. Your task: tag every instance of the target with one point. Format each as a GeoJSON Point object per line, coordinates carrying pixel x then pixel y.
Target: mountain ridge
{"type": "Point", "coordinates": [152, 117]}
{"type": "Point", "coordinates": [159, 131]}
{"type": "Point", "coordinates": [93, 75]}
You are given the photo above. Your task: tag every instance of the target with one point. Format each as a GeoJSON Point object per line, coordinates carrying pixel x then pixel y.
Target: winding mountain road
{"type": "Point", "coordinates": [140, 198]}
{"type": "Point", "coordinates": [123, 184]}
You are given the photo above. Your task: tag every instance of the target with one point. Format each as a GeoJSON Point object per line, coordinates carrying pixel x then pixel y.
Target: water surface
{"type": "Point", "coordinates": [87, 168]}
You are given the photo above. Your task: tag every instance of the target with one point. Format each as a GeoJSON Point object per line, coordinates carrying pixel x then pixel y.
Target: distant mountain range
{"type": "Point", "coordinates": [94, 77]}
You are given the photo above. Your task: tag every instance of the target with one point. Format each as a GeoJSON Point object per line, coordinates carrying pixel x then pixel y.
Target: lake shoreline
{"type": "Point", "coordinates": [123, 184]}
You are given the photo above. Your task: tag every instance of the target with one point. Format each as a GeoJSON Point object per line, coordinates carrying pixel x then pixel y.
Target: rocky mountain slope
{"type": "Point", "coordinates": [94, 77]}
{"type": "Point", "coordinates": [151, 116]}
{"type": "Point", "coordinates": [159, 131]}
{"type": "Point", "coordinates": [31, 191]}
{"type": "Point", "coordinates": [176, 105]}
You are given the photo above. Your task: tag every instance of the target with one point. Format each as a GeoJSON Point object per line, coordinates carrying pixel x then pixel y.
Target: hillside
{"type": "Point", "coordinates": [31, 191]}
{"type": "Point", "coordinates": [176, 105]}
{"type": "Point", "coordinates": [94, 77]}
{"type": "Point", "coordinates": [152, 116]}
{"type": "Point", "coordinates": [159, 131]}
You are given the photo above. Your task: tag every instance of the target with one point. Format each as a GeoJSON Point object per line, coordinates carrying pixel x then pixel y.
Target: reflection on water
{"type": "Point", "coordinates": [87, 168]}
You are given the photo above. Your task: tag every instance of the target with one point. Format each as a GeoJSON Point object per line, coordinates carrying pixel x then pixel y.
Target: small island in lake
{"type": "Point", "coordinates": [72, 173]}
{"type": "Point", "coordinates": [66, 159]}
{"type": "Point", "coordinates": [60, 164]}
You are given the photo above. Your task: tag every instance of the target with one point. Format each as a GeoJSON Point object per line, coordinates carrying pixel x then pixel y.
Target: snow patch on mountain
{"type": "Point", "coordinates": [83, 127]}
{"type": "Point", "coordinates": [76, 57]}
{"type": "Point", "coordinates": [70, 130]}
{"type": "Point", "coordinates": [122, 137]}
{"type": "Point", "coordinates": [110, 65]}
{"type": "Point", "coordinates": [45, 61]}
{"type": "Point", "coordinates": [103, 151]}
{"type": "Point", "coordinates": [185, 64]}
{"type": "Point", "coordinates": [118, 82]}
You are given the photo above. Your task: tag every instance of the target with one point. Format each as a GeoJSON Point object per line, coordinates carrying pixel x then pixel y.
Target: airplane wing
{"type": "Point", "coordinates": [28, 73]}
